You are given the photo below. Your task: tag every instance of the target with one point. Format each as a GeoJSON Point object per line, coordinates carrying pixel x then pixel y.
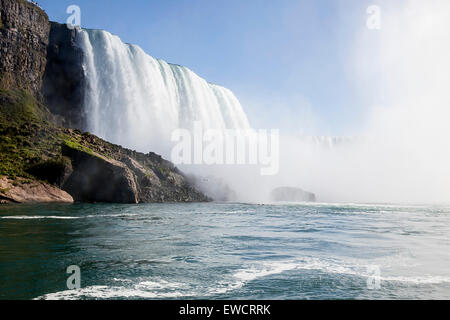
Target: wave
{"type": "Point", "coordinates": [252, 273]}
{"type": "Point", "coordinates": [163, 289]}
{"type": "Point", "coordinates": [145, 290]}
{"type": "Point", "coordinates": [105, 292]}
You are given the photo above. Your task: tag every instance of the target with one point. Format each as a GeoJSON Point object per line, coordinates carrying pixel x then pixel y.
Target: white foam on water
{"type": "Point", "coordinates": [69, 217]}
{"type": "Point", "coordinates": [106, 292]}
{"type": "Point", "coordinates": [38, 218]}
{"type": "Point", "coordinates": [244, 276]}
{"type": "Point", "coordinates": [122, 280]}
{"type": "Point", "coordinates": [418, 280]}
{"type": "Point", "coordinates": [333, 267]}
{"type": "Point", "coordinates": [161, 285]}
{"type": "Point", "coordinates": [142, 290]}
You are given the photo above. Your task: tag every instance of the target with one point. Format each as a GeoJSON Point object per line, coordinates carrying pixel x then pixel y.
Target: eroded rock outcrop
{"type": "Point", "coordinates": [95, 178]}
{"type": "Point", "coordinates": [26, 191]}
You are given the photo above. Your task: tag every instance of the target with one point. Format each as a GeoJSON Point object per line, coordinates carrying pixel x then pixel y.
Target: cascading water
{"type": "Point", "coordinates": [136, 100]}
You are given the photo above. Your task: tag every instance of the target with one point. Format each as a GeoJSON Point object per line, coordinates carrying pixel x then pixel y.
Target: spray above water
{"type": "Point", "coordinates": [401, 154]}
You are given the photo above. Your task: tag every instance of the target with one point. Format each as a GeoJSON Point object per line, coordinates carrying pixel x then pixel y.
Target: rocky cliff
{"type": "Point", "coordinates": [24, 36]}
{"type": "Point", "coordinates": [42, 158]}
{"type": "Point", "coordinates": [41, 56]}
{"type": "Point", "coordinates": [64, 77]}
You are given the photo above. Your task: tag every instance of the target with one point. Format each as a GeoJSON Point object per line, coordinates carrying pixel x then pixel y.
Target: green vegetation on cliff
{"type": "Point", "coordinates": [26, 134]}
{"type": "Point", "coordinates": [74, 144]}
{"type": "Point", "coordinates": [30, 144]}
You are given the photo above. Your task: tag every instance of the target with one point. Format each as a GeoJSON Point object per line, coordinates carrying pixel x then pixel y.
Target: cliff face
{"type": "Point", "coordinates": [24, 34]}
{"type": "Point", "coordinates": [64, 77]}
{"type": "Point", "coordinates": [42, 57]}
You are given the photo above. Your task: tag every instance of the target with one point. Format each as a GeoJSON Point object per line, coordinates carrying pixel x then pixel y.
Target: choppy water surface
{"type": "Point", "coordinates": [226, 251]}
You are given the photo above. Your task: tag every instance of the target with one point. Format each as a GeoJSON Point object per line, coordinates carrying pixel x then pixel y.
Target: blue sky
{"type": "Point", "coordinates": [288, 61]}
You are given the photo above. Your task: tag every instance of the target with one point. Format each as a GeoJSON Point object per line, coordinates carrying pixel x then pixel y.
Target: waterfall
{"type": "Point", "coordinates": [135, 100]}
